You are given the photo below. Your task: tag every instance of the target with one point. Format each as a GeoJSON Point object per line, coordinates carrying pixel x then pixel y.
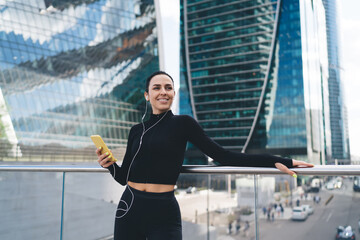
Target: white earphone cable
{"type": "Point", "coordinates": [128, 206]}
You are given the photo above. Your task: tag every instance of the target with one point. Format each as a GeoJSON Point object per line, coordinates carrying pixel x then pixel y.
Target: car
{"type": "Point", "coordinates": [190, 190]}
{"type": "Point", "coordinates": [356, 184]}
{"type": "Point", "coordinates": [309, 209]}
{"type": "Point", "coordinates": [315, 185]}
{"type": "Point", "coordinates": [330, 185]}
{"type": "Point", "coordinates": [344, 233]}
{"type": "Point", "coordinates": [222, 210]}
{"type": "Point", "coordinates": [338, 182]}
{"type": "Point", "coordinates": [299, 213]}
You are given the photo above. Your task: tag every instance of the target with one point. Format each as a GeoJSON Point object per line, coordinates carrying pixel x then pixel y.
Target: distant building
{"type": "Point", "coordinates": [72, 69]}
{"type": "Point", "coordinates": [256, 73]}
{"type": "Point", "coordinates": [338, 109]}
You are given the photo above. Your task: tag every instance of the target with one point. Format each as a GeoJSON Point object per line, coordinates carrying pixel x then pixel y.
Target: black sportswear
{"type": "Point", "coordinates": [161, 155]}
{"type": "Point", "coordinates": [153, 216]}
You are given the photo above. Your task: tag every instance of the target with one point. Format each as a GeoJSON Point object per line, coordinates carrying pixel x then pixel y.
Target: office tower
{"type": "Point", "coordinates": [257, 75]}
{"type": "Point", "coordinates": [70, 69]}
{"type": "Point", "coordinates": [338, 114]}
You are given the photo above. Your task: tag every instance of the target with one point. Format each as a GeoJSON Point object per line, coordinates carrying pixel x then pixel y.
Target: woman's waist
{"type": "Point", "coordinates": [152, 187]}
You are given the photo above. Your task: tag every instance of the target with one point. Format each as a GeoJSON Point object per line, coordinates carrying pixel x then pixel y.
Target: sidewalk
{"type": "Point", "coordinates": [297, 194]}
{"type": "Point", "coordinates": [285, 216]}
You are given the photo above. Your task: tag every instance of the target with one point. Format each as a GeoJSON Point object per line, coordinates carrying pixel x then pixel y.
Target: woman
{"type": "Point", "coordinates": [152, 162]}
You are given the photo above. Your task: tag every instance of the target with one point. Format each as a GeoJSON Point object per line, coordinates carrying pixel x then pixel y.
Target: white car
{"type": "Point", "coordinates": [330, 185]}
{"type": "Point", "coordinates": [338, 184]}
{"type": "Point", "coordinates": [190, 190]}
{"type": "Point", "coordinates": [299, 213]}
{"type": "Point", "coordinates": [309, 209]}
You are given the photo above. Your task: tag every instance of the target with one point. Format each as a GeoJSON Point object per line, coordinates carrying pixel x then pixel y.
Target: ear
{"type": "Point", "coordinates": [146, 95]}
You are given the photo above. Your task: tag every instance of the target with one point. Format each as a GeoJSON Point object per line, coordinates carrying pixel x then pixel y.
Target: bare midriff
{"type": "Point", "coordinates": [151, 187]}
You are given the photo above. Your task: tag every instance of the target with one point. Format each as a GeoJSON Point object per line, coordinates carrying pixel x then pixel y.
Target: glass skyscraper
{"type": "Point", "coordinates": [257, 75]}
{"type": "Point", "coordinates": [70, 69]}
{"type": "Point", "coordinates": [338, 110]}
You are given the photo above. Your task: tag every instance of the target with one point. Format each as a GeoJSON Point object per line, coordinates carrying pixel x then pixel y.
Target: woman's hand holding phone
{"type": "Point", "coordinates": [105, 160]}
{"type": "Point", "coordinates": [105, 156]}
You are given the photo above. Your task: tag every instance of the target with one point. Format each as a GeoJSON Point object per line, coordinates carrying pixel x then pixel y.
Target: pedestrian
{"type": "Point", "coordinates": [282, 210]}
{"type": "Point", "coordinates": [154, 155]}
{"type": "Point", "coordinates": [237, 226]}
{"type": "Point", "coordinates": [278, 210]}
{"type": "Point", "coordinates": [230, 226]}
{"type": "Point", "coordinates": [246, 228]}
{"type": "Point", "coordinates": [272, 216]}
{"type": "Point", "coordinates": [268, 214]}
{"type": "Point", "coordinates": [264, 210]}
{"type": "Point", "coordinates": [275, 206]}
{"type": "Point", "coordinates": [298, 202]}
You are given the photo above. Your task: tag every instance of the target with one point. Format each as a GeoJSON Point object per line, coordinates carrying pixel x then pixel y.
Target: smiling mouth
{"type": "Point", "coordinates": [163, 100]}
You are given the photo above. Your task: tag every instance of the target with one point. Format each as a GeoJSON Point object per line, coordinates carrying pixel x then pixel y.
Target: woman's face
{"type": "Point", "coordinates": [161, 93]}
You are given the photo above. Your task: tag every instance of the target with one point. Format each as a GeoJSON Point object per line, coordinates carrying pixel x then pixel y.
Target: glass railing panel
{"type": "Point", "coordinates": [90, 205]}
{"type": "Point", "coordinates": [191, 194]}
{"type": "Point", "coordinates": [314, 208]}
{"type": "Point", "coordinates": [232, 206]}
{"type": "Point", "coordinates": [275, 195]}
{"type": "Point", "coordinates": [30, 205]}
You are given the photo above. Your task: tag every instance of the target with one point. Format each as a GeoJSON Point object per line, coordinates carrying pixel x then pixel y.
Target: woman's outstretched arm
{"type": "Point", "coordinates": [232, 158]}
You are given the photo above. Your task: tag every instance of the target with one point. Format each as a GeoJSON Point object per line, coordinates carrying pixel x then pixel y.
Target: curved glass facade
{"type": "Point", "coordinates": [72, 69]}
{"type": "Point", "coordinates": [229, 44]}
{"type": "Point", "coordinates": [258, 78]}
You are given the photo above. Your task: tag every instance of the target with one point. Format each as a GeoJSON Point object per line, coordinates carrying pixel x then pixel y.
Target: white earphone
{"type": "Point", "coordinates": [128, 206]}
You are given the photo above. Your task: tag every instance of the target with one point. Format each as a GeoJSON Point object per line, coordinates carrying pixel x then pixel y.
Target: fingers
{"type": "Point", "coordinates": [297, 163]}
{"type": "Point", "coordinates": [105, 160]}
{"type": "Point", "coordinates": [284, 169]}
{"type": "Point", "coordinates": [106, 163]}
{"type": "Point", "coordinates": [98, 151]}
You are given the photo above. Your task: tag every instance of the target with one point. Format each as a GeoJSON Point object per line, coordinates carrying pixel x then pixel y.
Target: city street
{"type": "Point", "coordinates": [342, 209]}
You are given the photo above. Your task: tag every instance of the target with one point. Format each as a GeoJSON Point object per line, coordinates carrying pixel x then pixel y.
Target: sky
{"type": "Point", "coordinates": [170, 23]}
{"type": "Point", "coordinates": [349, 34]}
{"type": "Point", "coordinates": [350, 61]}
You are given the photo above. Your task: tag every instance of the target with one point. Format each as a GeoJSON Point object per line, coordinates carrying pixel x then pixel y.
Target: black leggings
{"type": "Point", "coordinates": [152, 216]}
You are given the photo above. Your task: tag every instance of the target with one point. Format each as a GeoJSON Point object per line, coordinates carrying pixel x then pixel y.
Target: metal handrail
{"type": "Point", "coordinates": [325, 170]}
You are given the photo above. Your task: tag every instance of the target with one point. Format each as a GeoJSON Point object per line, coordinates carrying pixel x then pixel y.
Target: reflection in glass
{"type": "Point", "coordinates": [72, 70]}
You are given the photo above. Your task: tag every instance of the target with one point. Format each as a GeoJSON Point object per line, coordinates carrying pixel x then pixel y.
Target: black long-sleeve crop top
{"type": "Point", "coordinates": [161, 154]}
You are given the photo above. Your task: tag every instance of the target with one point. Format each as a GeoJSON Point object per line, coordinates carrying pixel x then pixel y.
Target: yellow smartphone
{"type": "Point", "coordinates": [99, 142]}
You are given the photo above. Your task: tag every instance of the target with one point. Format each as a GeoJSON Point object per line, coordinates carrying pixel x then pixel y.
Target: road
{"type": "Point", "coordinates": [344, 208]}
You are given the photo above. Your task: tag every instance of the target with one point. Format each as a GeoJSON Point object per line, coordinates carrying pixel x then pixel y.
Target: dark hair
{"type": "Point", "coordinates": [153, 75]}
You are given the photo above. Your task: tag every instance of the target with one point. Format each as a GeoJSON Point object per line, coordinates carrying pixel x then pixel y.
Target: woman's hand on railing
{"type": "Point", "coordinates": [295, 163]}
{"type": "Point", "coordinates": [105, 160]}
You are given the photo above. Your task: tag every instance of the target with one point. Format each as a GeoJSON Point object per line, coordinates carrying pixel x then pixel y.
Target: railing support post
{"type": "Point", "coordinates": [256, 207]}
{"type": "Point", "coordinates": [207, 207]}
{"type": "Point", "coordinates": [62, 207]}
